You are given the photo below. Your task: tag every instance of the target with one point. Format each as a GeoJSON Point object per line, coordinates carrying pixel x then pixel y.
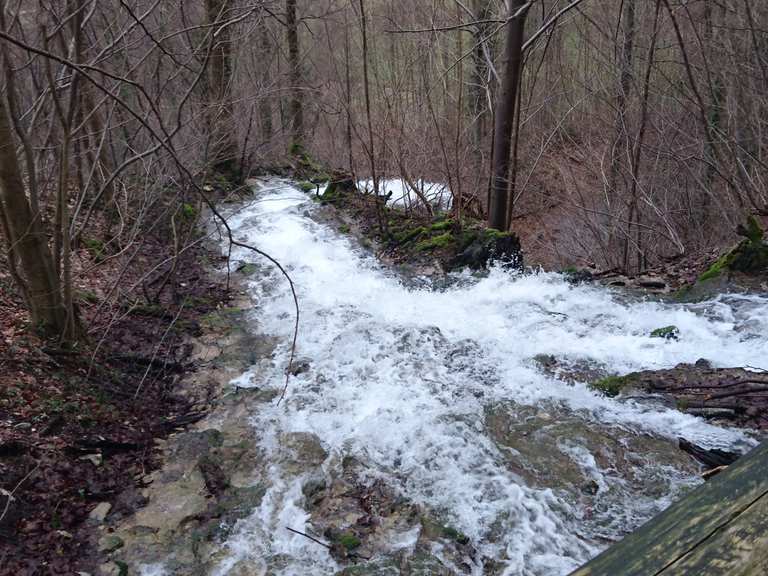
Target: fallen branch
{"type": "Point", "coordinates": [315, 540]}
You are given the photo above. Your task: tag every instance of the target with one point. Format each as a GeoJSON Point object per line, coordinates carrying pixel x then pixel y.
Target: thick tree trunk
{"type": "Point", "coordinates": [498, 209]}
{"type": "Point", "coordinates": [296, 105]}
{"type": "Point", "coordinates": [223, 149]}
{"type": "Point", "coordinates": [28, 245]}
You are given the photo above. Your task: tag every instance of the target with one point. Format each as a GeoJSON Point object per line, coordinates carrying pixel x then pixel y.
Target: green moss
{"type": "Point", "coordinates": [667, 332]}
{"type": "Point", "coordinates": [442, 225]}
{"type": "Point", "coordinates": [349, 541]}
{"type": "Point", "coordinates": [716, 269]}
{"type": "Point", "coordinates": [188, 211]}
{"type": "Point", "coordinates": [493, 234]}
{"type": "Point", "coordinates": [440, 241]}
{"type": "Point", "coordinates": [455, 535]}
{"type": "Point", "coordinates": [248, 269]}
{"type": "Point", "coordinates": [95, 247]}
{"type": "Point", "coordinates": [753, 231]}
{"type": "Point", "coordinates": [333, 193]}
{"type": "Point", "coordinates": [749, 257]}
{"type": "Point", "coordinates": [87, 296]}
{"type": "Point", "coordinates": [682, 294]}
{"type": "Point", "coordinates": [344, 229]}
{"type": "Point", "coordinates": [405, 236]}
{"type": "Point", "coordinates": [154, 310]}
{"type": "Point", "coordinates": [307, 186]}
{"type": "Point", "coordinates": [611, 386]}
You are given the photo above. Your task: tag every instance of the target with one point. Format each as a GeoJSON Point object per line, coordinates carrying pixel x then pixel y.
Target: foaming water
{"type": "Point", "coordinates": [437, 393]}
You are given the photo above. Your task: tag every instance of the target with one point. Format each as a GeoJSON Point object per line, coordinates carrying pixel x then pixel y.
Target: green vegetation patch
{"type": "Point", "coordinates": [349, 541]}
{"type": "Point", "coordinates": [457, 536]}
{"type": "Point", "coordinates": [667, 332]}
{"type": "Point", "coordinates": [307, 186]}
{"type": "Point", "coordinates": [440, 241]}
{"type": "Point", "coordinates": [446, 224]}
{"type": "Point", "coordinates": [716, 269]}
{"type": "Point", "coordinates": [749, 257]}
{"type": "Point", "coordinates": [188, 211]}
{"type": "Point", "coordinates": [95, 247]}
{"type": "Point", "coordinates": [611, 386]}
{"type": "Point", "coordinates": [408, 234]}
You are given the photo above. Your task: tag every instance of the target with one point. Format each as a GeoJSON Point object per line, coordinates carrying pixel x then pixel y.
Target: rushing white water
{"type": "Point", "coordinates": [403, 195]}
{"type": "Point", "coordinates": [412, 381]}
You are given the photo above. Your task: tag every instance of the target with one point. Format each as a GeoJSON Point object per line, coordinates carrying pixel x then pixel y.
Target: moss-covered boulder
{"type": "Point", "coordinates": [612, 386]}
{"type": "Point", "coordinates": [749, 257]}
{"type": "Point", "coordinates": [339, 185]}
{"type": "Point", "coordinates": [667, 333]}
{"type": "Point", "coordinates": [482, 247]}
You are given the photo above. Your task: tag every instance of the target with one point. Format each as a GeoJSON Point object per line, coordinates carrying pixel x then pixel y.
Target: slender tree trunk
{"type": "Point", "coordinates": [479, 85]}
{"type": "Point", "coordinates": [348, 96]}
{"type": "Point", "coordinates": [635, 216]}
{"type": "Point", "coordinates": [265, 102]}
{"type": "Point", "coordinates": [223, 149]}
{"type": "Point", "coordinates": [294, 62]}
{"type": "Point", "coordinates": [505, 116]}
{"type": "Point", "coordinates": [621, 141]}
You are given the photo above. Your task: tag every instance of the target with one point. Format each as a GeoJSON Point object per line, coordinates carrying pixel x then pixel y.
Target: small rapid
{"type": "Point", "coordinates": [437, 395]}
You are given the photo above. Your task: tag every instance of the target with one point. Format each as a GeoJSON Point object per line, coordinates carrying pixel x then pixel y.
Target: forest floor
{"type": "Point", "coordinates": [78, 427]}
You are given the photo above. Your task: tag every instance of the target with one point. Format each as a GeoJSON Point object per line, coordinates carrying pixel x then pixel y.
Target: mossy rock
{"type": "Point", "coordinates": [750, 257]}
{"type": "Point", "coordinates": [307, 186]}
{"type": "Point", "coordinates": [440, 241]}
{"type": "Point", "coordinates": [409, 234]}
{"type": "Point", "coordinates": [612, 386]}
{"type": "Point", "coordinates": [717, 269]}
{"type": "Point", "coordinates": [457, 536]}
{"type": "Point", "coordinates": [248, 269]}
{"type": "Point", "coordinates": [480, 247]}
{"type": "Point", "coordinates": [667, 332]}
{"type": "Point", "coordinates": [440, 225]}
{"type": "Point", "coordinates": [349, 541]}
{"type": "Point", "coordinates": [339, 186]}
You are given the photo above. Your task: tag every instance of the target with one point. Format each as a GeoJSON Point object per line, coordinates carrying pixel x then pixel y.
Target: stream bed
{"type": "Point", "coordinates": [421, 435]}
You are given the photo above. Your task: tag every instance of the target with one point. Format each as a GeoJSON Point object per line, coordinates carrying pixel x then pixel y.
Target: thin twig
{"type": "Point", "coordinates": [12, 492]}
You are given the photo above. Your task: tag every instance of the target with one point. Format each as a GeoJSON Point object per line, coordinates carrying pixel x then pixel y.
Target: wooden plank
{"type": "Point", "coordinates": [721, 528]}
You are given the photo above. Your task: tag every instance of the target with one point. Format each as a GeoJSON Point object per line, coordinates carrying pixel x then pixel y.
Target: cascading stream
{"type": "Point", "coordinates": [437, 395]}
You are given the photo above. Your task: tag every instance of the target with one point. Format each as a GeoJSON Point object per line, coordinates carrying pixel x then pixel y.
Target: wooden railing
{"type": "Point", "coordinates": [719, 529]}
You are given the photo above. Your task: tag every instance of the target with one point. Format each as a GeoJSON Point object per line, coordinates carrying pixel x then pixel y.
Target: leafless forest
{"type": "Point", "coordinates": [615, 133]}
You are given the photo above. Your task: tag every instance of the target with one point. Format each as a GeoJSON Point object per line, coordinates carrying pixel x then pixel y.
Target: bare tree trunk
{"type": "Point", "coordinates": [223, 150]}
{"type": "Point", "coordinates": [634, 219]}
{"type": "Point", "coordinates": [296, 100]}
{"type": "Point", "coordinates": [366, 85]}
{"type": "Point", "coordinates": [27, 241]}
{"type": "Point", "coordinates": [348, 96]}
{"type": "Point", "coordinates": [479, 85]}
{"type": "Point", "coordinates": [505, 116]}
{"type": "Point", "coordinates": [626, 74]}
{"type": "Point", "coordinates": [265, 102]}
